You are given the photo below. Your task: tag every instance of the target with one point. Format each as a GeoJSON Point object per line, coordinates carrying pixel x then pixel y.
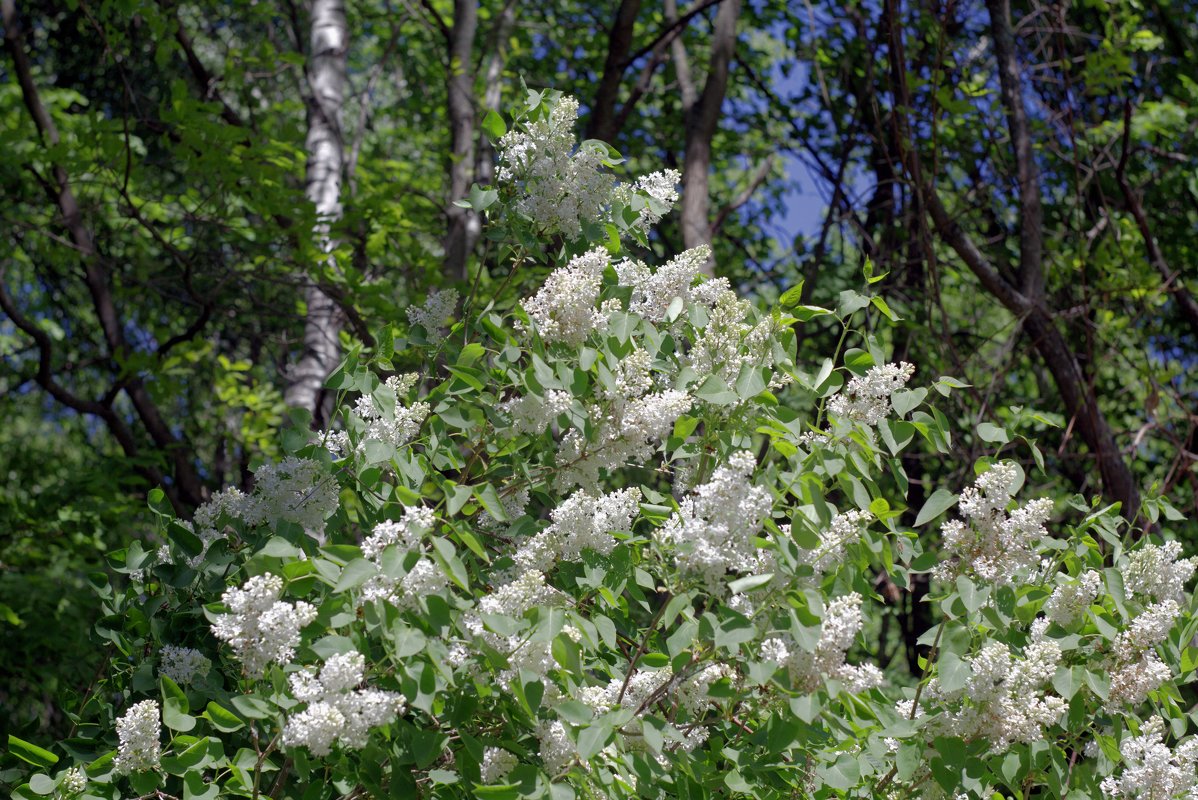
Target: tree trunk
{"type": "Point", "coordinates": [619, 44]}
{"type": "Point", "coordinates": [325, 146]}
{"type": "Point", "coordinates": [701, 124]}
{"type": "Point", "coordinates": [464, 224]}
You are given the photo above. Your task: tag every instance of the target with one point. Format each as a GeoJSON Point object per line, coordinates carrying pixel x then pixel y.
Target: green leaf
{"type": "Point", "coordinates": [494, 126]}
{"type": "Point", "coordinates": [31, 753]}
{"type": "Point", "coordinates": [749, 382]}
{"type": "Point", "coordinates": [940, 501]}
{"type": "Point", "coordinates": [989, 432]}
{"type": "Point", "coordinates": [194, 787]}
{"type": "Point", "coordinates": [592, 739]}
{"type": "Point", "coordinates": [716, 392]}
{"type": "Point", "coordinates": [748, 584]}
{"type": "Point", "coordinates": [41, 784]}
{"type": "Point", "coordinates": [175, 706]}
{"type": "Point", "coordinates": [453, 566]}
{"type": "Point", "coordinates": [489, 498]}
{"type": "Point", "coordinates": [222, 718]}
{"type": "Point", "coordinates": [881, 305]}
{"type": "Point", "coordinates": [792, 296]}
{"type": "Point", "coordinates": [356, 573]}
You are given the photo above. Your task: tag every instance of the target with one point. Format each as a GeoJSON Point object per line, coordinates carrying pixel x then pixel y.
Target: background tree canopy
{"type": "Point", "coordinates": [208, 205]}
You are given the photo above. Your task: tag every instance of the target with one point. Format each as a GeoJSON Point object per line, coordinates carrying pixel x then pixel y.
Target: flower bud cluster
{"type": "Point", "coordinates": [407, 535]}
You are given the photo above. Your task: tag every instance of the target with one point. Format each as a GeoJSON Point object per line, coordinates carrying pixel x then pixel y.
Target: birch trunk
{"type": "Point", "coordinates": [325, 147]}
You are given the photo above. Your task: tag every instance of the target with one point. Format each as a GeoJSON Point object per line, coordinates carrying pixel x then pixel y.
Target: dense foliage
{"type": "Point", "coordinates": [367, 434]}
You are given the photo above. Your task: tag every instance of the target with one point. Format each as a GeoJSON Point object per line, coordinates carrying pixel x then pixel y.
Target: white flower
{"type": "Point", "coordinates": [807, 670]}
{"type": "Point", "coordinates": [407, 531]}
{"type": "Point", "coordinates": [712, 532]}
{"type": "Point", "coordinates": [432, 315]}
{"type": "Point", "coordinates": [1003, 699]}
{"type": "Point", "coordinates": [1157, 571]}
{"type": "Point", "coordinates": [395, 424]}
{"type": "Point", "coordinates": [337, 711]}
{"type": "Point", "coordinates": [182, 664]}
{"type": "Point", "coordinates": [564, 308]}
{"type": "Point", "coordinates": [261, 629]}
{"type": "Point", "coordinates": [497, 763]}
{"type": "Point", "coordinates": [138, 730]}
{"type": "Point", "coordinates": [1151, 770]}
{"type": "Point", "coordinates": [75, 780]}
{"type": "Point", "coordinates": [582, 522]}
{"type": "Point", "coordinates": [557, 751]}
{"type": "Point", "coordinates": [563, 188]}
{"type": "Point", "coordinates": [1134, 668]}
{"type": "Point", "coordinates": [843, 530]}
{"type": "Point", "coordinates": [654, 291]}
{"type": "Point", "coordinates": [297, 490]}
{"type": "Point", "coordinates": [866, 399]}
{"type": "Point", "coordinates": [995, 546]}
{"type": "Point", "coordinates": [536, 415]}
{"type": "Point", "coordinates": [1069, 601]}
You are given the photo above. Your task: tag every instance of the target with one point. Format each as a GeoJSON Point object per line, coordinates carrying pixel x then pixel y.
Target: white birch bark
{"type": "Point", "coordinates": [325, 147]}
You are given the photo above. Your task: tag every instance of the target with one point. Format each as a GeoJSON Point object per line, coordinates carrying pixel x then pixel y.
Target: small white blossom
{"type": "Point", "coordinates": [1158, 571]}
{"type": "Point", "coordinates": [1070, 600]}
{"type": "Point", "coordinates": [1151, 770]}
{"type": "Point", "coordinates": [75, 780]}
{"type": "Point", "coordinates": [137, 731]}
{"type": "Point", "coordinates": [536, 415]}
{"type": "Point", "coordinates": [995, 545]}
{"type": "Point", "coordinates": [337, 711]}
{"type": "Point", "coordinates": [866, 399]}
{"type": "Point", "coordinates": [261, 629]}
{"type": "Point", "coordinates": [497, 763]}
{"type": "Point", "coordinates": [432, 315]}
{"type": "Point", "coordinates": [182, 664]}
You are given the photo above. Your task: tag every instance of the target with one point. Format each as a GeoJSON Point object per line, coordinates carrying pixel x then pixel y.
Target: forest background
{"type": "Point", "coordinates": [1017, 180]}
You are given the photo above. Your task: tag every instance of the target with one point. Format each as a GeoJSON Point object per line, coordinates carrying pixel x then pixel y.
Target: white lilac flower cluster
{"type": "Point", "coordinates": [406, 534]}
{"type": "Point", "coordinates": [297, 490]}
{"type": "Point", "coordinates": [496, 765]}
{"type": "Point", "coordinates": [628, 429]}
{"type": "Point", "coordinates": [137, 733]}
{"type": "Point", "coordinates": [182, 664]}
{"type": "Point", "coordinates": [74, 781]}
{"type": "Point", "coordinates": [557, 750]}
{"type": "Point", "coordinates": [534, 415]}
{"type": "Point", "coordinates": [512, 599]}
{"type": "Point", "coordinates": [1003, 700]}
{"type": "Point", "coordinates": [582, 522]}
{"type": "Point", "coordinates": [866, 399]}
{"type": "Point", "coordinates": [1134, 667]}
{"type": "Point", "coordinates": [1158, 571]}
{"type": "Point", "coordinates": [844, 530]}
{"type": "Point", "coordinates": [993, 545]}
{"type": "Point", "coordinates": [390, 422]}
{"type": "Point", "coordinates": [1152, 770]}
{"type": "Point", "coordinates": [261, 628]}
{"type": "Point", "coordinates": [564, 186]}
{"type": "Point", "coordinates": [657, 192]}
{"type": "Point", "coordinates": [337, 711]}
{"type": "Point", "coordinates": [712, 532]}
{"type": "Point", "coordinates": [1069, 601]}
{"type": "Point", "coordinates": [808, 670]}
{"type": "Point", "coordinates": [563, 309]}
{"type": "Point", "coordinates": [653, 291]}
{"type": "Point", "coordinates": [436, 310]}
